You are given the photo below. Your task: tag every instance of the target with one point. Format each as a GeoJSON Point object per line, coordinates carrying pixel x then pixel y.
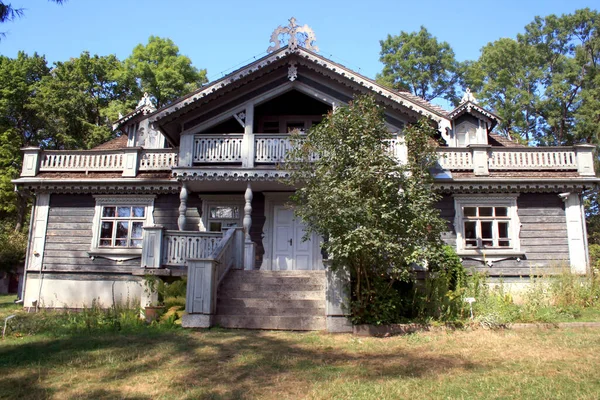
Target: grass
{"type": "Point", "coordinates": [154, 363]}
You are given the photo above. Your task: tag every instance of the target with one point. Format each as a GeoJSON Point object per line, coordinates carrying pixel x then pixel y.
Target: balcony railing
{"type": "Point", "coordinates": [128, 161]}
{"type": "Point", "coordinates": [225, 148]}
{"type": "Point", "coordinates": [270, 149]}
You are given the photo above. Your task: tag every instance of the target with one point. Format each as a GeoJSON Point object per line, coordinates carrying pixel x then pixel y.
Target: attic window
{"type": "Point", "coordinates": [466, 134]}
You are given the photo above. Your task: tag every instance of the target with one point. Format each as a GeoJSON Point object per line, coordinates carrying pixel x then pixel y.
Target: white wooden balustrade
{"type": "Point", "coordinates": [538, 158]}
{"type": "Point", "coordinates": [456, 158]}
{"type": "Point", "coordinates": [157, 159]}
{"type": "Point", "coordinates": [224, 148]}
{"type": "Point", "coordinates": [179, 246]}
{"type": "Point", "coordinates": [81, 160]}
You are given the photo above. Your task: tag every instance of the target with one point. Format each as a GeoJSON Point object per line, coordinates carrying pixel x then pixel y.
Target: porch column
{"type": "Point", "coordinates": [248, 245]}
{"type": "Point", "coordinates": [183, 196]}
{"type": "Point", "coordinates": [248, 141]}
{"type": "Point", "coordinates": [575, 233]}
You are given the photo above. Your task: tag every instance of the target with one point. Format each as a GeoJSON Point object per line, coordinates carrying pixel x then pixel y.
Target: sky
{"type": "Point", "coordinates": [221, 36]}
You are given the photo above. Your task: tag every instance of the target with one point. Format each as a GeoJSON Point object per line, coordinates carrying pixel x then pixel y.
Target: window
{"type": "Point", "coordinates": [486, 223]}
{"type": "Point", "coordinates": [466, 134]}
{"type": "Point", "coordinates": [118, 224]}
{"type": "Point", "coordinates": [121, 226]}
{"type": "Point", "coordinates": [222, 217]}
{"type": "Point", "coordinates": [221, 212]}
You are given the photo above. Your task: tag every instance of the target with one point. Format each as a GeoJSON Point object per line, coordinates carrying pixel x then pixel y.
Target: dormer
{"type": "Point", "coordinates": [138, 129]}
{"type": "Point", "coordinates": [471, 124]}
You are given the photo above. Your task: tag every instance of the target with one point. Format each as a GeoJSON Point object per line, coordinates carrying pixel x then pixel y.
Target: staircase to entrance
{"type": "Point", "coordinates": [286, 300]}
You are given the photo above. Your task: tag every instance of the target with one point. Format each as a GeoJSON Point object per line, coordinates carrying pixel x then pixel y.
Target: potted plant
{"type": "Point", "coordinates": [154, 307]}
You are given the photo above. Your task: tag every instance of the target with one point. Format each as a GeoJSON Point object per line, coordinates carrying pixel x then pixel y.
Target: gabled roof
{"type": "Point", "coordinates": [311, 59]}
{"type": "Point", "coordinates": [144, 107]}
{"type": "Point", "coordinates": [472, 108]}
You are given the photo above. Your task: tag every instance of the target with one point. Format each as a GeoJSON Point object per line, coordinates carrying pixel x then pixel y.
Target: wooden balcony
{"type": "Point", "coordinates": [264, 150]}
{"type": "Point", "coordinates": [129, 162]}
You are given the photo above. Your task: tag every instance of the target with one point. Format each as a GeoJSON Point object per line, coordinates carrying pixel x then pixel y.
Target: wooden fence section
{"type": "Point", "coordinates": [179, 246]}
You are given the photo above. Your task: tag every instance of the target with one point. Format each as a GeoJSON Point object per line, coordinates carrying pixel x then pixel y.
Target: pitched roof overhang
{"type": "Point", "coordinates": [469, 107]}
{"type": "Point", "coordinates": [166, 117]}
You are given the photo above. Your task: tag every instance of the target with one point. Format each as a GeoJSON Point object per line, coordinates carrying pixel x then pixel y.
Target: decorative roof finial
{"type": "Point", "coordinates": [468, 96]}
{"type": "Point", "coordinates": [145, 102]}
{"type": "Point", "coordinates": [298, 36]}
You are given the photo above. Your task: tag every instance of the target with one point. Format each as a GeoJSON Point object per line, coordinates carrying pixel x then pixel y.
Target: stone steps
{"type": "Point", "coordinates": [289, 323]}
{"type": "Point", "coordinates": [285, 300]}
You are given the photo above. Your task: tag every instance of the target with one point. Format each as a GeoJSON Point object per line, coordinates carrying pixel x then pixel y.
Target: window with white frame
{"type": "Point", "coordinates": [221, 212]}
{"type": "Point", "coordinates": [118, 222]}
{"type": "Point", "coordinates": [223, 217]}
{"type": "Point", "coordinates": [487, 223]}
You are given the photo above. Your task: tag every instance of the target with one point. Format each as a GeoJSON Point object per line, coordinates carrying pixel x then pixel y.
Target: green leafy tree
{"type": "Point", "coordinates": [77, 100]}
{"type": "Point", "coordinates": [544, 84]}
{"type": "Point", "coordinates": [162, 72]}
{"type": "Point", "coordinates": [20, 126]}
{"type": "Point", "coordinates": [506, 78]}
{"type": "Point", "coordinates": [418, 63]}
{"type": "Point", "coordinates": [377, 215]}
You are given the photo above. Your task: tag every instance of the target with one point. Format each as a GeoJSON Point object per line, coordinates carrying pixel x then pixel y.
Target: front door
{"type": "Point", "coordinates": [289, 251]}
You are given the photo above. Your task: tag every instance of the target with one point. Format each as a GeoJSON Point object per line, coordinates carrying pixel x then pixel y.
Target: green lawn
{"type": "Point", "coordinates": [174, 363]}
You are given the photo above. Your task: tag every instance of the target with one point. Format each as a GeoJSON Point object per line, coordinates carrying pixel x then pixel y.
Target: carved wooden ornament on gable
{"type": "Point", "coordinates": [296, 36]}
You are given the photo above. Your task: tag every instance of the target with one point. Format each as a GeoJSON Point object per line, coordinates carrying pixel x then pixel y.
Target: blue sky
{"type": "Point", "coordinates": [221, 35]}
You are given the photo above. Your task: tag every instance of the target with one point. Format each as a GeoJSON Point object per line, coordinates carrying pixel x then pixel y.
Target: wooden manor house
{"type": "Point", "coordinates": [196, 188]}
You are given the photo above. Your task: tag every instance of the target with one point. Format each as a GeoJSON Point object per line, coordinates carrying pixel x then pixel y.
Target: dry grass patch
{"type": "Point", "coordinates": [178, 364]}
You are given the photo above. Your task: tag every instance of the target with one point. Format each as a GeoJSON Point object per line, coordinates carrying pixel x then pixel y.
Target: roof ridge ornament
{"type": "Point", "coordinates": [145, 102]}
{"type": "Point", "coordinates": [468, 96]}
{"type": "Point", "coordinates": [296, 36]}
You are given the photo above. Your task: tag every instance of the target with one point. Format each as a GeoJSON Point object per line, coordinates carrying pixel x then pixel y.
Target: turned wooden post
{"type": "Point", "coordinates": [183, 196]}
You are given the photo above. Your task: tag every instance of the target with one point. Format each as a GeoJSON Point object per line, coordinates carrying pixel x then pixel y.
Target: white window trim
{"type": "Point", "coordinates": [509, 201]}
{"type": "Point", "coordinates": [209, 200]}
{"type": "Point", "coordinates": [121, 200]}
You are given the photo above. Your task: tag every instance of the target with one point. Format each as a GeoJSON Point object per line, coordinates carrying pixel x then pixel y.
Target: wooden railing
{"type": "Point", "coordinates": [128, 161]}
{"type": "Point", "coordinates": [205, 274]}
{"type": "Point", "coordinates": [178, 246]}
{"type": "Point", "coordinates": [229, 252]}
{"type": "Point", "coordinates": [81, 160]}
{"type": "Point", "coordinates": [271, 148]}
{"type": "Point", "coordinates": [455, 158]}
{"type": "Point", "coordinates": [157, 159]}
{"type": "Point", "coordinates": [225, 148]}
{"type": "Point", "coordinates": [538, 158]}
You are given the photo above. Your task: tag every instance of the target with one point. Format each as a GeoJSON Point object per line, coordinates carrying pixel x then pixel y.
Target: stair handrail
{"type": "Point", "coordinates": [205, 274]}
{"type": "Point", "coordinates": [225, 254]}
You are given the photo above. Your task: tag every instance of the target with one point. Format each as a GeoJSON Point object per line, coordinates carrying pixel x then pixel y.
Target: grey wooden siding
{"type": "Point", "coordinates": [69, 237]}
{"type": "Point", "coordinates": [166, 211]}
{"type": "Point", "coordinates": [543, 235]}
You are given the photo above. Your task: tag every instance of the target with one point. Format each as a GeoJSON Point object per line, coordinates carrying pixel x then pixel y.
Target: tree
{"type": "Point", "coordinates": [79, 100]}
{"type": "Point", "coordinates": [377, 215]}
{"type": "Point", "coordinates": [545, 83]}
{"type": "Point", "coordinates": [9, 13]}
{"type": "Point", "coordinates": [506, 78]}
{"type": "Point", "coordinates": [417, 62]}
{"type": "Point", "coordinates": [162, 72]}
{"type": "Point", "coordinates": [20, 126]}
